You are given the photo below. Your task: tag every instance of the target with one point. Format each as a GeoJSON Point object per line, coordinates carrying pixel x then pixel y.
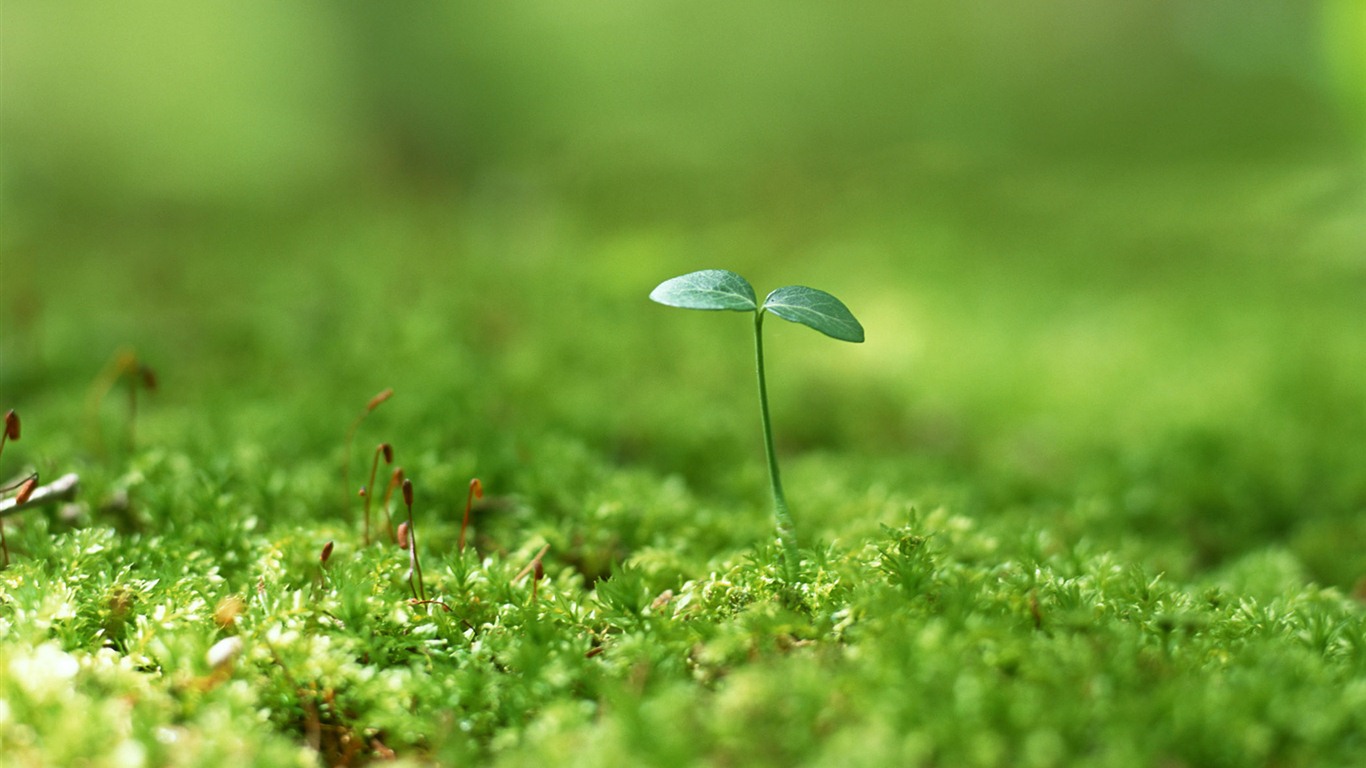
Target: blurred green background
{"type": "Point", "coordinates": [1111, 256]}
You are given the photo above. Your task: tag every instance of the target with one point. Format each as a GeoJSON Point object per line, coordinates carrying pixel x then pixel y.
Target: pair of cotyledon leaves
{"type": "Point", "coordinates": [723, 289]}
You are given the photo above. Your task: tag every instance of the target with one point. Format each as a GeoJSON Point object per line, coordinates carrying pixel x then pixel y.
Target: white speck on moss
{"type": "Point", "coordinates": [45, 673]}
{"type": "Point", "coordinates": [224, 652]}
{"type": "Point", "coordinates": [129, 754]}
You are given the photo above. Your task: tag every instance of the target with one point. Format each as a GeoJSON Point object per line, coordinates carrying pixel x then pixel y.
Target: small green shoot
{"type": "Point", "coordinates": [719, 289]}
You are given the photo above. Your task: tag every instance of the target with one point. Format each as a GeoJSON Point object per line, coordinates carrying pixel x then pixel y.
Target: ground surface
{"type": "Point", "coordinates": [1091, 493]}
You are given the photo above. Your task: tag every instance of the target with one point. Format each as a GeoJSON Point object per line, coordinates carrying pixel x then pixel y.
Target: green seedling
{"type": "Point", "coordinates": [387, 452]}
{"type": "Point", "coordinates": [719, 289]}
{"type": "Point", "coordinates": [476, 492]}
{"type": "Point", "coordinates": [374, 403]}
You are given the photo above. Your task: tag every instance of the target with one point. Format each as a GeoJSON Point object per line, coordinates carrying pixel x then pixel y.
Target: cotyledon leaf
{"type": "Point", "coordinates": [815, 309]}
{"type": "Point", "coordinates": [707, 289]}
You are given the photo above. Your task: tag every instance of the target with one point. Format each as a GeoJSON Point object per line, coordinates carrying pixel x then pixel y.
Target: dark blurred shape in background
{"type": "Point", "coordinates": [256, 103]}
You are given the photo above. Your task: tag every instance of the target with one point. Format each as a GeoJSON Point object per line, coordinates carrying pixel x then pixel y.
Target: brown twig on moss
{"type": "Point", "coordinates": [61, 489]}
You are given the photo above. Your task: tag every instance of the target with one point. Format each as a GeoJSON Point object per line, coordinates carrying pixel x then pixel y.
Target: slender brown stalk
{"type": "Point", "coordinates": [387, 451]}
{"type": "Point", "coordinates": [374, 403]}
{"type": "Point", "coordinates": [395, 481]}
{"type": "Point", "coordinates": [403, 544]}
{"type": "Point", "coordinates": [536, 575]}
{"type": "Point", "coordinates": [105, 380]}
{"type": "Point", "coordinates": [533, 565]}
{"type": "Point", "coordinates": [414, 561]}
{"type": "Point", "coordinates": [124, 365]}
{"type": "Point", "coordinates": [12, 433]}
{"type": "Point", "coordinates": [138, 374]}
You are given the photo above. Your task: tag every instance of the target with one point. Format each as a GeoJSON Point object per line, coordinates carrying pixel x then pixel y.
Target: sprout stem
{"type": "Point", "coordinates": [787, 530]}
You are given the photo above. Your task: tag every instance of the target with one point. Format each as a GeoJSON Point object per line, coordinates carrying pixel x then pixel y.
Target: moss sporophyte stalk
{"type": "Point", "coordinates": [11, 432]}
{"type": "Point", "coordinates": [719, 289]}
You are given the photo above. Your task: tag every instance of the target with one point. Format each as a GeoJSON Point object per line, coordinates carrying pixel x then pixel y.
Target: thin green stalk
{"type": "Point", "coordinates": [787, 530]}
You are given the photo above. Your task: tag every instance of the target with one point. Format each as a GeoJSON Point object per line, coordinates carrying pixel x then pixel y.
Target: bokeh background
{"type": "Point", "coordinates": [1111, 256]}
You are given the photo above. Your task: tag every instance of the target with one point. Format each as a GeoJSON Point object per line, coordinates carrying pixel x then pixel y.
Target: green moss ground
{"type": "Point", "coordinates": [1092, 492]}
